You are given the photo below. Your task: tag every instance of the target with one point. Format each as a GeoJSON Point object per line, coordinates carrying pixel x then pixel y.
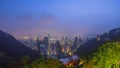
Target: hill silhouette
{"type": "Point", "coordinates": [91, 45]}
{"type": "Point", "coordinates": [13, 47]}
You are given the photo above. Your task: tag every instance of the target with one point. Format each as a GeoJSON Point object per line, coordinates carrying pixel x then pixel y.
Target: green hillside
{"type": "Point", "coordinates": [106, 56]}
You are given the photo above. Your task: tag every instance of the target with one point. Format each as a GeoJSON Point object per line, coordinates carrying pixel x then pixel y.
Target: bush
{"type": "Point", "coordinates": [107, 56]}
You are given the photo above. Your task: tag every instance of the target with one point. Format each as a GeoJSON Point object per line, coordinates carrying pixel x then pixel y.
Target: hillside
{"type": "Point", "coordinates": [13, 48]}
{"type": "Point", "coordinates": [93, 44]}
{"type": "Point", "coordinates": [106, 56]}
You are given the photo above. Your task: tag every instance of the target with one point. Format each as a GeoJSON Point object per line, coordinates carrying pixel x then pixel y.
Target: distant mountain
{"type": "Point", "coordinates": [91, 45]}
{"type": "Point", "coordinates": [14, 48]}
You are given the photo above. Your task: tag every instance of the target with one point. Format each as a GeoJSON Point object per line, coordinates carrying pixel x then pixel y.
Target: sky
{"type": "Point", "coordinates": [59, 17]}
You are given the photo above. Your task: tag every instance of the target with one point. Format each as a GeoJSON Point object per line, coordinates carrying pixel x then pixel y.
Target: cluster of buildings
{"type": "Point", "coordinates": [52, 45]}
{"type": "Point", "coordinates": [71, 61]}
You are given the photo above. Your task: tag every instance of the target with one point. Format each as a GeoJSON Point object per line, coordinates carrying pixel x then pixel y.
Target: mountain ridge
{"type": "Point", "coordinates": [91, 45]}
{"type": "Point", "coordinates": [13, 47]}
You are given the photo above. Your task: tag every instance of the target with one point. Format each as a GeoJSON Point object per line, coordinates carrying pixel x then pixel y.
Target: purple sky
{"type": "Point", "coordinates": [59, 17]}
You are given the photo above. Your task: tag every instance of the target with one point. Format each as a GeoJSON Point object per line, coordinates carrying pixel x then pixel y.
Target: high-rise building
{"type": "Point", "coordinates": [38, 44]}
{"type": "Point", "coordinates": [58, 48]}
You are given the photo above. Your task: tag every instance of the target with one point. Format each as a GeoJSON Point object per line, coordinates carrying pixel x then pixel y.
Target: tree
{"type": "Point", "coordinates": [107, 56]}
{"type": "Point", "coordinates": [47, 63]}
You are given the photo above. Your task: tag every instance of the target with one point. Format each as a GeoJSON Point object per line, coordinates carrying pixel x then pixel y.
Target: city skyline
{"type": "Point", "coordinates": [65, 17]}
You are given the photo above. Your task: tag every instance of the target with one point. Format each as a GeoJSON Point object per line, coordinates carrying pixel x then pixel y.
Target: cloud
{"type": "Point", "coordinates": [25, 18]}
{"type": "Point", "coordinates": [48, 23]}
{"type": "Point", "coordinates": [47, 18]}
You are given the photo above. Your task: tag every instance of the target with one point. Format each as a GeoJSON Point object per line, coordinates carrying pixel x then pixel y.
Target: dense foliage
{"type": "Point", "coordinates": [47, 63]}
{"type": "Point", "coordinates": [27, 62]}
{"type": "Point", "coordinates": [42, 62]}
{"type": "Point", "coordinates": [107, 56]}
